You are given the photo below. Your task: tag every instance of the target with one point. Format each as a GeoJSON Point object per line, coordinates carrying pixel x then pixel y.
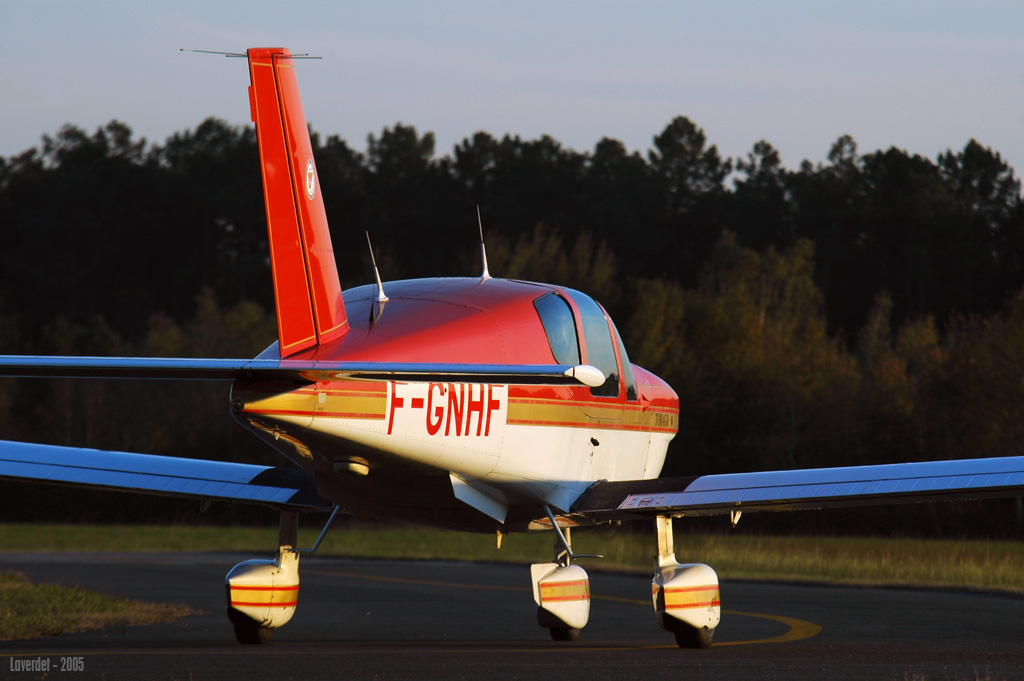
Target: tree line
{"type": "Point", "coordinates": [865, 309]}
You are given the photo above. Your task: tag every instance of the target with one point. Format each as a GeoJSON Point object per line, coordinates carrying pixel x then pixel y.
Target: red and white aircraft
{"type": "Point", "coordinates": [480, 404]}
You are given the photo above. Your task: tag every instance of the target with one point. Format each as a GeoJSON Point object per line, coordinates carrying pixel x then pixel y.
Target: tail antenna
{"type": "Point", "coordinates": [483, 249]}
{"type": "Point", "coordinates": [377, 309]}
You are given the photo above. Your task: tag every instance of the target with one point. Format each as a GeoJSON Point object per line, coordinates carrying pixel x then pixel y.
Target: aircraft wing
{"type": "Point", "coordinates": [161, 475]}
{"type": "Point", "coordinates": [294, 371]}
{"type": "Point", "coordinates": [176, 476]}
{"type": "Point", "coordinates": [805, 489]}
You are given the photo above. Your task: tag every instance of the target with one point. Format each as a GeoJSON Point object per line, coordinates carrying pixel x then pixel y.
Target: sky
{"type": "Point", "coordinates": [924, 77]}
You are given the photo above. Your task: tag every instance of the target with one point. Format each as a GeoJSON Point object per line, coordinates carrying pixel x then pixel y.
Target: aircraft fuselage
{"type": "Point", "coordinates": [480, 456]}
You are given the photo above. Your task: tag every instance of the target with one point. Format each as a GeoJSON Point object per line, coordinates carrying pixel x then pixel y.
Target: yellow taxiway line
{"type": "Point", "coordinates": [798, 629]}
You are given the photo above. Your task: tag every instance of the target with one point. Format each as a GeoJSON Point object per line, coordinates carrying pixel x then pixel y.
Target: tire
{"type": "Point", "coordinates": [690, 637]}
{"type": "Point", "coordinates": [564, 633]}
{"type": "Point", "coordinates": [247, 631]}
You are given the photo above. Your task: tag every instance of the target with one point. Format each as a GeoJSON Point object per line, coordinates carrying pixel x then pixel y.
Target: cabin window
{"type": "Point", "coordinates": [600, 350]}
{"type": "Point", "coordinates": [556, 316]}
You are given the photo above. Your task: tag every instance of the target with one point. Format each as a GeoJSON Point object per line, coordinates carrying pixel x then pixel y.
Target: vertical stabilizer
{"type": "Point", "coordinates": [307, 292]}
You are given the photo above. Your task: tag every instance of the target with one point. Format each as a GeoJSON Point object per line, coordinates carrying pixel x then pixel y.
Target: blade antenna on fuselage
{"type": "Point", "coordinates": [483, 249]}
{"type": "Point", "coordinates": [377, 309]}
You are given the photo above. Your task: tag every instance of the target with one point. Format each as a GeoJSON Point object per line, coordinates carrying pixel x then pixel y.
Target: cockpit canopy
{"type": "Point", "coordinates": [599, 347]}
{"type": "Point", "coordinates": [469, 320]}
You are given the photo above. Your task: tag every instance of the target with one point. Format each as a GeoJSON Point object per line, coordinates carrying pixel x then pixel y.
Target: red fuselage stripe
{"type": "Point", "coordinates": [306, 413]}
{"type": "Point", "coordinates": [612, 425]}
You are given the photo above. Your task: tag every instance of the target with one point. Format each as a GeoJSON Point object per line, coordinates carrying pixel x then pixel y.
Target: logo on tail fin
{"type": "Point", "coordinates": [310, 179]}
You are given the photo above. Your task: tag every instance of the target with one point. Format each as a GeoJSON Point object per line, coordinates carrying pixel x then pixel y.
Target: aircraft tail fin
{"type": "Point", "coordinates": [307, 291]}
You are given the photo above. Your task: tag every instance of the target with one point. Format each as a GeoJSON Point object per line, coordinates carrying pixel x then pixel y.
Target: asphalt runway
{"type": "Point", "coordinates": [430, 620]}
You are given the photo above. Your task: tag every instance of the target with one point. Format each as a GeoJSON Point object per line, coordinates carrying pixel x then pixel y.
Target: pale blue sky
{"type": "Point", "coordinates": [922, 76]}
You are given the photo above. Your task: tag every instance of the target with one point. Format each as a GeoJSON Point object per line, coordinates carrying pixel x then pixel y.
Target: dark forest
{"type": "Point", "coordinates": [866, 309]}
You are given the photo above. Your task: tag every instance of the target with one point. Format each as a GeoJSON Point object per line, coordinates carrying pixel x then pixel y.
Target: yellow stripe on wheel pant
{"type": "Point", "coordinates": [678, 598]}
{"type": "Point", "coordinates": [272, 596]}
{"type": "Point", "coordinates": [575, 590]}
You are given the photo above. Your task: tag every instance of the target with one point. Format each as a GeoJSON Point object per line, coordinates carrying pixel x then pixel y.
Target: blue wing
{"type": "Point", "coordinates": [809, 488]}
{"type": "Point", "coordinates": [162, 475]}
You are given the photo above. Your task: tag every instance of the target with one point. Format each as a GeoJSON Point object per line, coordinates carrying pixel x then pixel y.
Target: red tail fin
{"type": "Point", "coordinates": [310, 308]}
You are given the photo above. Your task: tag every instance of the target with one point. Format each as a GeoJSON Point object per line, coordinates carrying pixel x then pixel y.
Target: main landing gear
{"type": "Point", "coordinates": [263, 594]}
{"type": "Point", "coordinates": [686, 596]}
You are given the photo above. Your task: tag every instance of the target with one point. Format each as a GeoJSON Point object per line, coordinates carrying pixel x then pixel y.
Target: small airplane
{"type": "Point", "coordinates": [480, 404]}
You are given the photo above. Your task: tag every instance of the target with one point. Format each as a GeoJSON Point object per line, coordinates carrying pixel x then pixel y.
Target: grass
{"type": "Point", "coordinates": [974, 564]}
{"type": "Point", "coordinates": [980, 565]}
{"type": "Point", "coordinates": [28, 610]}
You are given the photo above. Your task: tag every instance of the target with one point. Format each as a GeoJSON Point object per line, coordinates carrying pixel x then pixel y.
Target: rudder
{"type": "Point", "coordinates": [307, 291]}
